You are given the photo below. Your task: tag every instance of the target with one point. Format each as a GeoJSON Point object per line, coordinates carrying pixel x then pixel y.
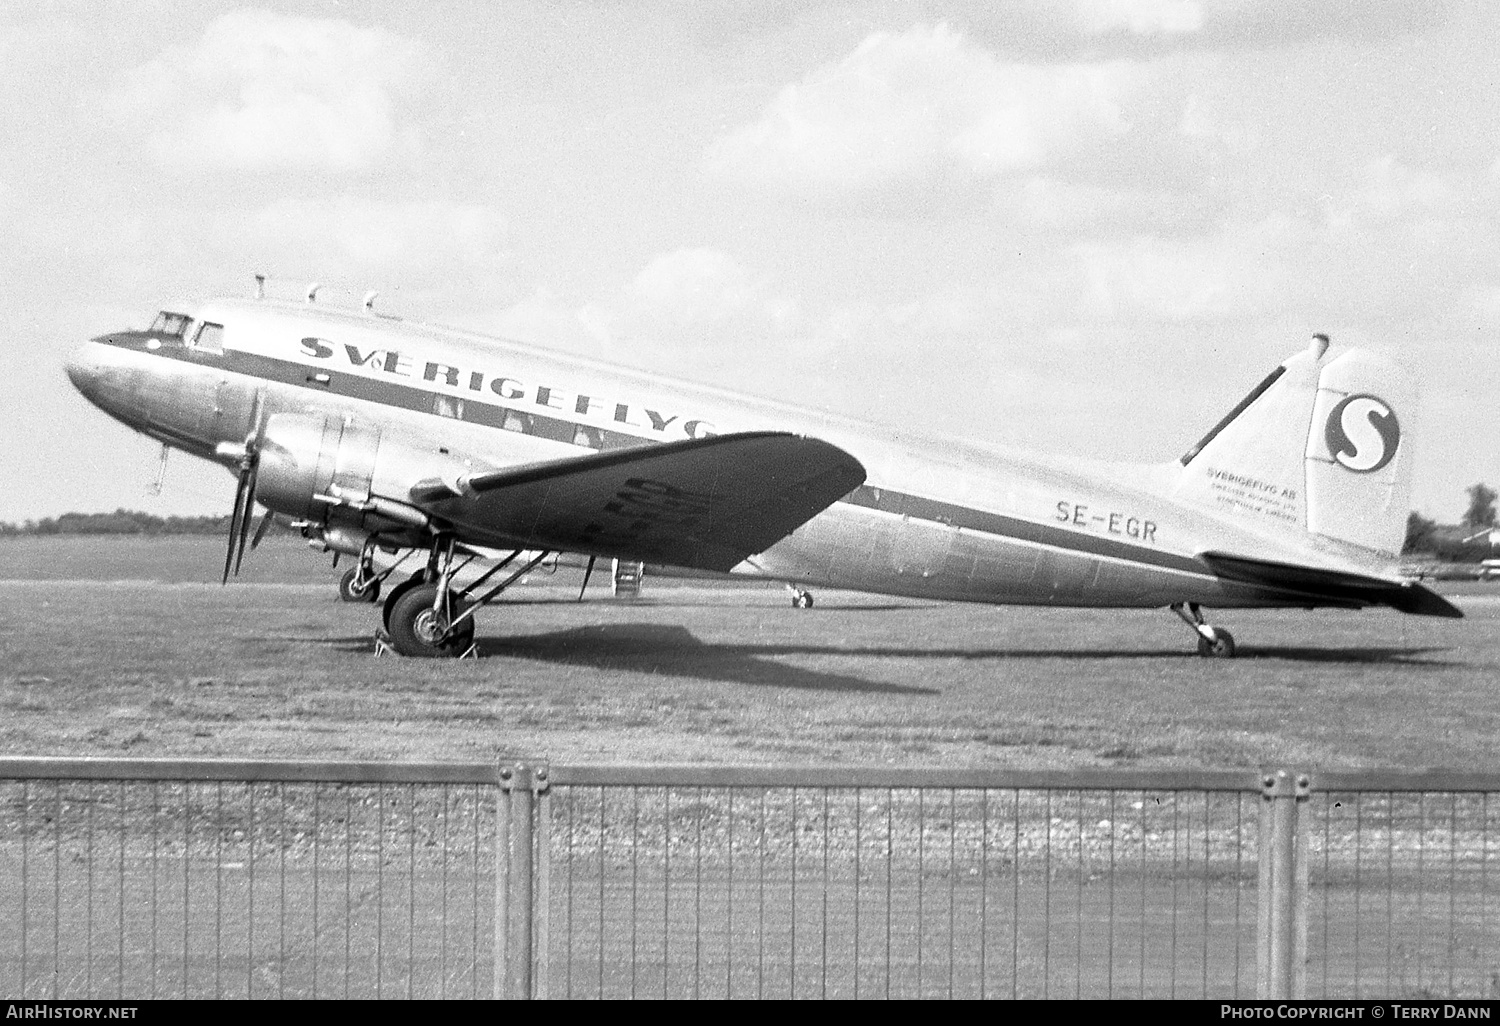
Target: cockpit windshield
{"type": "Point", "coordinates": [173, 325]}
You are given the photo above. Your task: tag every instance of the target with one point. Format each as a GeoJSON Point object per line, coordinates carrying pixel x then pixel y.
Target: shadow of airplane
{"type": "Point", "coordinates": [676, 651]}
{"type": "Point", "coordinates": [656, 602]}
{"type": "Point", "coordinates": [1349, 654]}
{"type": "Point", "coordinates": [664, 650]}
{"type": "Point", "coordinates": [1352, 654]}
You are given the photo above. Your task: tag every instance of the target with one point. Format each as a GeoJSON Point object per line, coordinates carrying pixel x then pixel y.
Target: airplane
{"type": "Point", "coordinates": [372, 432]}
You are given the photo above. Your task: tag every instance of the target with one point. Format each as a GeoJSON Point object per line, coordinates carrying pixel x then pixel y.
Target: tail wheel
{"type": "Point", "coordinates": [352, 589]}
{"type": "Point", "coordinates": [1221, 647]}
{"type": "Point", "coordinates": [417, 629]}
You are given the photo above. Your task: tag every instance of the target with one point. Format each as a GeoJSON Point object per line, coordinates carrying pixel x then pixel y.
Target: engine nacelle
{"type": "Point", "coordinates": [351, 541]}
{"type": "Point", "coordinates": [318, 467]}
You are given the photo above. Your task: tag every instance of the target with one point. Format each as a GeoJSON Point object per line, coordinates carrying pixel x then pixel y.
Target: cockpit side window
{"type": "Point", "coordinates": [210, 337]}
{"type": "Point", "coordinates": [172, 325]}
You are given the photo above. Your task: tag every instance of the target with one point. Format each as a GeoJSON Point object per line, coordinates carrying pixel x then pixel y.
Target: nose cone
{"type": "Point", "coordinates": [104, 371]}
{"type": "Point", "coordinates": [85, 367]}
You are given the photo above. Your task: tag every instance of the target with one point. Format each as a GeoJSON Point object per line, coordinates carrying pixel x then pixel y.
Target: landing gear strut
{"type": "Point", "coordinates": [428, 615]}
{"type": "Point", "coordinates": [1213, 642]}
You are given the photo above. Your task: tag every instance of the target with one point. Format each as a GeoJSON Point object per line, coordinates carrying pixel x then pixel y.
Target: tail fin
{"type": "Point", "coordinates": [1319, 446]}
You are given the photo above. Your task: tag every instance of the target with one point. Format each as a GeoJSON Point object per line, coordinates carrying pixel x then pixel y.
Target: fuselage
{"type": "Point", "coordinates": [936, 517]}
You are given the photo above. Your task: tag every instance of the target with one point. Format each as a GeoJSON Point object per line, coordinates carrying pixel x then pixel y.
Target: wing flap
{"type": "Point", "coordinates": [705, 503]}
{"type": "Point", "coordinates": [1337, 587]}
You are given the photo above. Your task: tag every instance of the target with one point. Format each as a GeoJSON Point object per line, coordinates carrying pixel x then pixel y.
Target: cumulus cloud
{"type": "Point", "coordinates": [1397, 241]}
{"type": "Point", "coordinates": [1140, 17]}
{"type": "Point", "coordinates": [925, 107]}
{"type": "Point", "coordinates": [267, 90]}
{"type": "Point", "coordinates": [546, 318]}
{"type": "Point", "coordinates": [375, 233]}
{"type": "Point", "coordinates": [1045, 202]}
{"type": "Point", "coordinates": [696, 295]}
{"type": "Point", "coordinates": [1137, 25]}
{"type": "Point", "coordinates": [1240, 271]}
{"type": "Point", "coordinates": [1391, 191]}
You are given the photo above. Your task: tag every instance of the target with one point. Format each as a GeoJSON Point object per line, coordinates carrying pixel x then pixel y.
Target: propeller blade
{"type": "Point", "coordinates": [244, 491]}
{"type": "Point", "coordinates": [236, 519]}
{"type": "Point", "coordinates": [248, 475]}
{"type": "Point", "coordinates": [260, 532]}
{"type": "Point", "coordinates": [257, 415]}
{"type": "Point", "coordinates": [587, 573]}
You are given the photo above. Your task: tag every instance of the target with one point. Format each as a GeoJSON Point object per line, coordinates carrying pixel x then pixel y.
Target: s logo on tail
{"type": "Point", "coordinates": [1362, 433]}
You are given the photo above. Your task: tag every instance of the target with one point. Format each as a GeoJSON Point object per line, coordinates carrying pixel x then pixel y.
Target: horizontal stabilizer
{"type": "Point", "coordinates": [706, 503]}
{"type": "Point", "coordinates": [1333, 587]}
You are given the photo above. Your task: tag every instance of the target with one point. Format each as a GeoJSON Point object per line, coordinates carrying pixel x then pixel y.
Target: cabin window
{"type": "Point", "coordinates": [172, 325]}
{"type": "Point", "coordinates": [447, 406]}
{"type": "Point", "coordinates": [514, 421]}
{"type": "Point", "coordinates": [210, 338]}
{"type": "Point", "coordinates": [583, 436]}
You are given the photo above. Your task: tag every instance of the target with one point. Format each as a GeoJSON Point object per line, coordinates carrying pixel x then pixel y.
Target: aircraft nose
{"type": "Point", "coordinates": [84, 366]}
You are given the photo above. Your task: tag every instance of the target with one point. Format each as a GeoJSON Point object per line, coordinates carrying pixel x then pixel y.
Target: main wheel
{"type": "Point", "coordinates": [351, 589]}
{"type": "Point", "coordinates": [1222, 647]}
{"type": "Point", "coordinates": [395, 593]}
{"type": "Point", "coordinates": [417, 629]}
{"type": "Point", "coordinates": [803, 600]}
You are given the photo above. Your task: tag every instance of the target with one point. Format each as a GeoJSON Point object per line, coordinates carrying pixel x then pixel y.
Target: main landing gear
{"type": "Point", "coordinates": [801, 597]}
{"type": "Point", "coordinates": [1213, 642]}
{"type": "Point", "coordinates": [429, 615]}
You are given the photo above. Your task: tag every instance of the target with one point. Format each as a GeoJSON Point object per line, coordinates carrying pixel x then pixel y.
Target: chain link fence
{"type": "Point", "coordinates": [165, 878]}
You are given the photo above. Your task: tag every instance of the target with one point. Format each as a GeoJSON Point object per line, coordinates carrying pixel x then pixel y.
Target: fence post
{"type": "Point", "coordinates": [516, 911]}
{"type": "Point", "coordinates": [1281, 913]}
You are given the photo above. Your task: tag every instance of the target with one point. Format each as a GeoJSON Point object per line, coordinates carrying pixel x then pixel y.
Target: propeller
{"type": "Point", "coordinates": [244, 492]}
{"type": "Point", "coordinates": [587, 573]}
{"type": "Point", "coordinates": [265, 525]}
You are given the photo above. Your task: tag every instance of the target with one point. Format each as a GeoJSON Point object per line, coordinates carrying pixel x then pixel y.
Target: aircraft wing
{"type": "Point", "coordinates": [1333, 587]}
{"type": "Point", "coordinates": [706, 503]}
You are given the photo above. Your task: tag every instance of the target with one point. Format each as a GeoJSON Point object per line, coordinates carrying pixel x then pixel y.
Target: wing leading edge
{"type": "Point", "coordinates": [705, 503]}
{"type": "Point", "coordinates": [1332, 587]}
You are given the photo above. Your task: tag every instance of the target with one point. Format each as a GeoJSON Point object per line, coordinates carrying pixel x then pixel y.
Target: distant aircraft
{"type": "Point", "coordinates": [372, 432]}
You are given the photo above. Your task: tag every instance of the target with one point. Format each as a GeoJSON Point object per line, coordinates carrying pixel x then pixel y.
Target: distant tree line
{"type": "Point", "coordinates": [1424, 536]}
{"type": "Point", "coordinates": [1468, 540]}
{"type": "Point", "coordinates": [121, 521]}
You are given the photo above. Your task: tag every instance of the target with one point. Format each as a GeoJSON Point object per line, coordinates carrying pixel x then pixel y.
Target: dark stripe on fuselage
{"type": "Point", "coordinates": [919, 508]}
{"type": "Point", "coordinates": [491, 414]}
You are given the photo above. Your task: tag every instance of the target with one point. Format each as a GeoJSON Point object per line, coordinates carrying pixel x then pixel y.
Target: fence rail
{"type": "Point", "coordinates": [196, 878]}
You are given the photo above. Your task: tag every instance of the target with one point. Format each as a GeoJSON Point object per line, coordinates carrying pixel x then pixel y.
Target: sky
{"type": "Point", "coordinates": [1083, 227]}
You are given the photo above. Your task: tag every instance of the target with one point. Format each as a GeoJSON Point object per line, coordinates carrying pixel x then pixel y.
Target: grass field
{"type": "Point", "coordinates": [129, 647]}
{"type": "Point", "coordinates": [123, 646]}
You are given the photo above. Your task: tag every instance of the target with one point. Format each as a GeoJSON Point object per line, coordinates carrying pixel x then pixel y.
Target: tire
{"type": "Point", "coordinates": [350, 593]}
{"type": "Point", "coordinates": [395, 593]}
{"type": "Point", "coordinates": [803, 600]}
{"type": "Point", "coordinates": [1222, 647]}
{"type": "Point", "coordinates": [417, 630]}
